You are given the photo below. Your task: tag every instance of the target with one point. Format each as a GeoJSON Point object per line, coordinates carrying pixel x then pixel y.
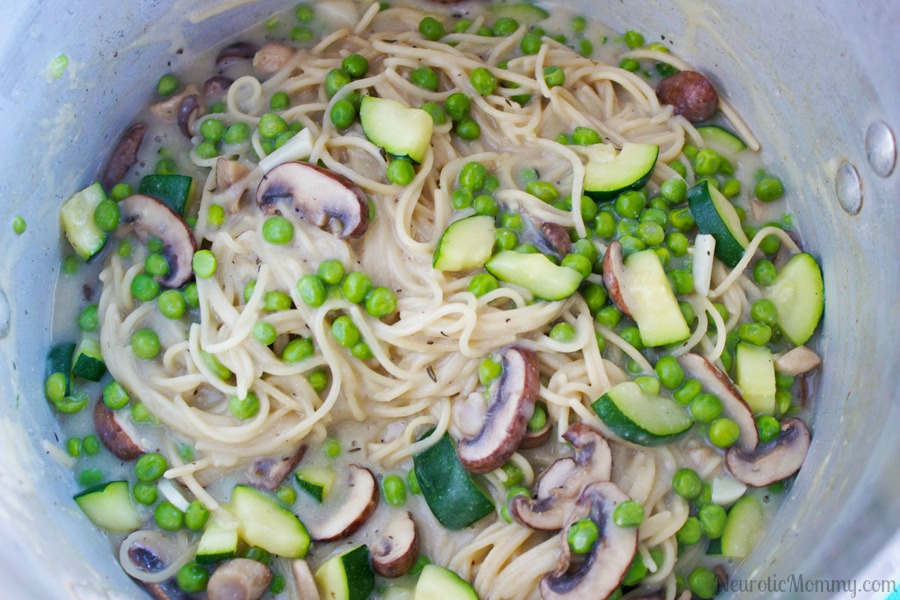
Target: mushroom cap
{"type": "Point", "coordinates": [317, 195]}
{"type": "Point", "coordinates": [692, 95]}
{"type": "Point", "coordinates": [270, 471]}
{"type": "Point", "coordinates": [733, 405]}
{"type": "Point", "coordinates": [614, 276]}
{"type": "Point", "coordinates": [124, 156]}
{"type": "Point", "coordinates": [235, 53]}
{"type": "Point", "coordinates": [113, 435]}
{"type": "Point", "coordinates": [154, 556]}
{"type": "Point", "coordinates": [188, 111]}
{"type": "Point", "coordinates": [354, 511]}
{"type": "Point", "coordinates": [535, 439]}
{"type": "Point", "coordinates": [151, 218]}
{"type": "Point", "coordinates": [561, 484]}
{"type": "Point", "coordinates": [215, 85]}
{"type": "Point", "coordinates": [506, 421]}
{"type": "Point", "coordinates": [395, 551]}
{"type": "Point", "coordinates": [272, 57]}
{"type": "Point", "coordinates": [797, 361]}
{"type": "Point", "coordinates": [239, 579]}
{"type": "Point", "coordinates": [774, 461]}
{"type": "Point", "coordinates": [610, 557]}
{"type": "Point", "coordinates": [556, 238]}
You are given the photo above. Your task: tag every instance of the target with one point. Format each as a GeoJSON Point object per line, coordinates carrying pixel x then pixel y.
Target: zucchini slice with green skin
{"type": "Point", "coordinates": [438, 583]}
{"type": "Point", "coordinates": [173, 190]}
{"type": "Point", "coordinates": [629, 170]}
{"type": "Point", "coordinates": [744, 527]}
{"type": "Point", "coordinates": [715, 215]}
{"type": "Point", "coordinates": [448, 488]}
{"type": "Point", "coordinates": [315, 481]}
{"type": "Point", "coordinates": [652, 302]}
{"type": "Point", "coordinates": [400, 130]}
{"type": "Point", "coordinates": [466, 244]}
{"type": "Point", "coordinates": [535, 273]}
{"type": "Point", "coordinates": [348, 576]}
{"type": "Point", "coordinates": [219, 542]}
{"type": "Point", "coordinates": [523, 12]}
{"type": "Point", "coordinates": [721, 140]}
{"type": "Point", "coordinates": [641, 418]}
{"type": "Point", "coordinates": [59, 360]}
{"type": "Point", "coordinates": [77, 218]}
{"type": "Point", "coordinates": [798, 293]}
{"type": "Point", "coordinates": [265, 523]}
{"type": "Point", "coordinates": [756, 377]}
{"type": "Point", "coordinates": [110, 506]}
{"type": "Point", "coordinates": [88, 361]}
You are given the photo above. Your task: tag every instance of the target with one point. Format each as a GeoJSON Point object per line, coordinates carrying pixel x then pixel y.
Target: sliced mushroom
{"type": "Point", "coordinates": [239, 579]}
{"type": "Point", "coordinates": [733, 405]}
{"type": "Point", "coordinates": [229, 172]}
{"type": "Point", "coordinates": [510, 408]}
{"type": "Point", "coordinates": [151, 218]}
{"type": "Point", "coordinates": [190, 109]}
{"type": "Point", "coordinates": [168, 109]}
{"type": "Point", "coordinates": [774, 461]}
{"type": "Point", "coordinates": [692, 95]}
{"type": "Point", "coordinates": [559, 486]}
{"type": "Point", "coordinates": [272, 57]}
{"type": "Point", "coordinates": [614, 276]}
{"type": "Point", "coordinates": [216, 85]}
{"type": "Point", "coordinates": [609, 558]}
{"type": "Point", "coordinates": [154, 556]}
{"type": "Point", "coordinates": [395, 551]}
{"type": "Point", "coordinates": [797, 361]}
{"type": "Point", "coordinates": [113, 435]}
{"type": "Point", "coordinates": [124, 156]}
{"type": "Point", "coordinates": [354, 511]}
{"type": "Point", "coordinates": [303, 580]}
{"type": "Point", "coordinates": [168, 590]}
{"type": "Point", "coordinates": [269, 472]}
{"type": "Point", "coordinates": [317, 195]}
{"type": "Point", "coordinates": [235, 53]}
{"type": "Point", "coordinates": [534, 439]}
{"type": "Point", "coordinates": [556, 239]}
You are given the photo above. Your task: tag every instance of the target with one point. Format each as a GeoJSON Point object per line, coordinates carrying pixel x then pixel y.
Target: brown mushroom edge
{"type": "Point", "coordinates": [774, 461]}
{"type": "Point", "coordinates": [354, 511]}
{"type": "Point", "coordinates": [239, 579]}
{"type": "Point", "coordinates": [506, 421]}
{"type": "Point", "coordinates": [269, 472]}
{"type": "Point", "coordinates": [235, 53]}
{"type": "Point", "coordinates": [614, 276]}
{"type": "Point", "coordinates": [113, 435]}
{"type": "Point", "coordinates": [608, 560]}
{"type": "Point", "coordinates": [124, 156]}
{"type": "Point", "coordinates": [691, 94]}
{"type": "Point", "coordinates": [151, 218]}
{"type": "Point", "coordinates": [395, 551]}
{"type": "Point", "coordinates": [317, 195]}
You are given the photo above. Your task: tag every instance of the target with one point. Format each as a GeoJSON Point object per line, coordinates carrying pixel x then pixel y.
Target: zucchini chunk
{"type": "Point", "coordinates": [438, 583]}
{"type": "Point", "coordinates": [798, 293]}
{"type": "Point", "coordinates": [523, 12]}
{"type": "Point", "coordinates": [109, 506]}
{"type": "Point", "coordinates": [466, 244]}
{"type": "Point", "coordinates": [716, 216]}
{"type": "Point", "coordinates": [641, 418]}
{"type": "Point", "coordinates": [173, 190]}
{"type": "Point", "coordinates": [317, 482]}
{"type": "Point", "coordinates": [744, 527]}
{"type": "Point", "coordinates": [448, 488]}
{"type": "Point", "coordinates": [629, 170]}
{"type": "Point", "coordinates": [88, 361]}
{"type": "Point", "coordinates": [77, 218]}
{"type": "Point", "coordinates": [348, 576]}
{"type": "Point", "coordinates": [219, 542]}
{"type": "Point", "coordinates": [59, 360]}
{"type": "Point", "coordinates": [721, 140]}
{"type": "Point", "coordinates": [652, 302]}
{"type": "Point", "coordinates": [535, 273]}
{"type": "Point", "coordinates": [756, 377]}
{"type": "Point", "coordinates": [400, 130]}
{"type": "Point", "coordinates": [265, 523]}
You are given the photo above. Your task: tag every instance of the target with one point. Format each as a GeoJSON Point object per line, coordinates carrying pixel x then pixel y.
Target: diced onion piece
{"type": "Point", "coordinates": [704, 252]}
{"type": "Point", "coordinates": [296, 148]}
{"type": "Point", "coordinates": [726, 490]}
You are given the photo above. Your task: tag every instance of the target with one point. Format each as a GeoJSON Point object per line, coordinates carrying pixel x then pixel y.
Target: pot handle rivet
{"type": "Point", "coordinates": [848, 187]}
{"type": "Point", "coordinates": [881, 148]}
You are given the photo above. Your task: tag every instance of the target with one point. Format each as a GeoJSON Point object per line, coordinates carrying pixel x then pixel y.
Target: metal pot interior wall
{"type": "Point", "coordinates": [809, 79]}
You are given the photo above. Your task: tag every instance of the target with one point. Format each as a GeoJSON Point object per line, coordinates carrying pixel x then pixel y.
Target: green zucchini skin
{"type": "Point", "coordinates": [59, 360]}
{"type": "Point", "coordinates": [636, 428]}
{"type": "Point", "coordinates": [629, 170]}
{"type": "Point", "coordinates": [173, 190]}
{"type": "Point", "coordinates": [798, 293]}
{"type": "Point", "coordinates": [715, 215]}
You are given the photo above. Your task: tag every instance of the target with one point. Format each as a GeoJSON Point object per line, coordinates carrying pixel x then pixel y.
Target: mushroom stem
{"type": "Point", "coordinates": [239, 579]}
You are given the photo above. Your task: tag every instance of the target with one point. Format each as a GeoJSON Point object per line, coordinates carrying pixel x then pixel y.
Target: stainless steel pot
{"type": "Point", "coordinates": [818, 82]}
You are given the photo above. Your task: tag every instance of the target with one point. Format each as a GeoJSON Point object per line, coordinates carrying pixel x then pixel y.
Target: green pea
{"type": "Point", "coordinates": [706, 407]}
{"type": "Point", "coordinates": [755, 333]}
{"type": "Point", "coordinates": [629, 64]}
{"type": "Point", "coordinates": [731, 188]}
{"type": "Point", "coordinates": [244, 408]}
{"type": "Point", "coordinates": [413, 482]}
{"type": "Point", "coordinates": [468, 129]}
{"type": "Point", "coordinates": [530, 44]}
{"type": "Point", "coordinates": [488, 371]}
{"type": "Point", "coordinates": [215, 215]}
{"type": "Point", "coordinates": [783, 381]}
{"type": "Point", "coordinates": [381, 302]}
{"type": "Point", "coordinates": [88, 320]}
{"type": "Point", "coordinates": [723, 432]}
{"type": "Point", "coordinates": [361, 350]}
{"type": "Point", "coordinates": [485, 205]}
{"type": "Point", "coordinates": [89, 477]}
{"type": "Point", "coordinates": [768, 428]}
{"type": "Point", "coordinates": [630, 204]}
{"type": "Point", "coordinates": [276, 301]}
{"type": "Point", "coordinates": [145, 343]}
{"type": "Point", "coordinates": [682, 219]}
{"type": "Point", "coordinates": [345, 331]}
{"type": "Point", "coordinates": [236, 133]}
{"type": "Point", "coordinates": [461, 198]}
{"type": "Point", "coordinates": [679, 167]}
{"type": "Point", "coordinates": [436, 113]}
{"type": "Point", "coordinates": [649, 385]}
{"type": "Point", "coordinates": [286, 495]}
{"type": "Point", "coordinates": [582, 536]}
{"type": "Point", "coordinates": [609, 316]}
{"type": "Point", "coordinates": [335, 80]}
{"type": "Point", "coordinates": [140, 413]}
{"type": "Point", "coordinates": [682, 282]}
{"type": "Point", "coordinates": [166, 166]}
{"type": "Point", "coordinates": [156, 264]}
{"type": "Point", "coordinates": [213, 130]}
{"type": "Point", "coordinates": [191, 297]}
{"type": "Point", "coordinates": [258, 554]}
{"type": "Point", "coordinates": [687, 483]}
{"type": "Point", "coordinates": [677, 243]}
{"type": "Point", "coordinates": [605, 225]}
{"type": "Point", "coordinates": [264, 333]}
{"type": "Point", "coordinates": [394, 490]}
{"type": "Point", "coordinates": [655, 215]}
{"type": "Point", "coordinates": [331, 271]}
{"type": "Point", "coordinates": [538, 418]}
{"type": "Point", "coordinates": [651, 233]}
{"type": "Point", "coordinates": [764, 311]}
{"type": "Point", "coordinates": [457, 106]}
{"type": "Point", "coordinates": [585, 47]}
{"type": "Point", "coordinates": [431, 29]}
{"type": "Point", "coordinates": [297, 350]}
{"type": "Point", "coordinates": [554, 76]}
{"type": "Point", "coordinates": [505, 26]}
{"type": "Point", "coordinates": [578, 262]}
{"type": "Point", "coordinates": [543, 190]}
{"type": "Point", "coordinates": [632, 335]}
{"type": "Point", "coordinates": [769, 245]}
{"type": "Point", "coordinates": [192, 578]}
{"type": "Point", "coordinates": [472, 176]}
{"type": "Point", "coordinates": [562, 332]}
{"type": "Point", "coordinates": [74, 447]}
{"type": "Point", "coordinates": [120, 191]}
{"type": "Point", "coordinates": [712, 520]}
{"type": "Point", "coordinates": [332, 448]}
{"type": "Point", "coordinates": [106, 216]}
{"type": "Point", "coordinates": [278, 231]}
{"type": "Point", "coordinates": [594, 296]}
{"type": "Point", "coordinates": [204, 264]}
{"type": "Point", "coordinates": [91, 445]}
{"type": "Point", "coordinates": [401, 172]}
{"type": "Point", "coordinates": [670, 373]}
{"type": "Point", "coordinates": [72, 403]}
{"type": "Point", "coordinates": [343, 113]}
{"type": "Point", "coordinates": [196, 516]}
{"type": "Point", "coordinates": [425, 78]}
{"type": "Point", "coordinates": [304, 13]}
{"type": "Point", "coordinates": [482, 284]}
{"type": "Point", "coordinates": [278, 101]}
{"type": "Point", "coordinates": [145, 493]}
{"type": "Point", "coordinates": [483, 81]}
{"type": "Point", "coordinates": [144, 287]}
{"type": "Point", "coordinates": [462, 26]}
{"type": "Point", "coordinates": [207, 149]}
{"type": "Point", "coordinates": [504, 239]}
{"type": "Point", "coordinates": [167, 85]}
{"type": "Point", "coordinates": [690, 533]}
{"type": "Point", "coordinates": [629, 513]}
{"type": "Point", "coordinates": [150, 467]}
{"type": "Point", "coordinates": [703, 583]}
{"type": "Point", "coordinates": [673, 190]}
{"type": "Point", "coordinates": [55, 387]}
{"type": "Point", "coordinates": [217, 107]}
{"type": "Point", "coordinates": [764, 272]}
{"type": "Point", "coordinates": [526, 249]}
{"type": "Point", "coordinates": [687, 311]}
{"type": "Point", "coordinates": [768, 189]}
{"type": "Point", "coordinates": [312, 290]}
{"type": "Point", "coordinates": [707, 162]}
{"type": "Point", "coordinates": [633, 39]}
